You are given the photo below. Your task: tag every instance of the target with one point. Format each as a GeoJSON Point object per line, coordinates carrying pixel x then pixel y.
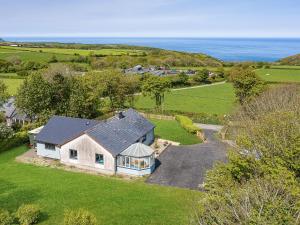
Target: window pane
{"type": "Point", "coordinates": [122, 161]}
{"type": "Point", "coordinates": [73, 154]}
{"type": "Point", "coordinates": [127, 159]}
{"type": "Point", "coordinates": [49, 146]}
{"type": "Point", "coordinates": [142, 164]}
{"type": "Point", "coordinates": [99, 159]}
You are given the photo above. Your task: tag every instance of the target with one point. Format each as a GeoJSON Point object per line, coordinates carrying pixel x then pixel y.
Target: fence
{"type": "Point", "coordinates": [155, 116]}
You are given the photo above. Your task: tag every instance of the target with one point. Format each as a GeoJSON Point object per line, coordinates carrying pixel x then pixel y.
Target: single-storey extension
{"type": "Point", "coordinates": [120, 144]}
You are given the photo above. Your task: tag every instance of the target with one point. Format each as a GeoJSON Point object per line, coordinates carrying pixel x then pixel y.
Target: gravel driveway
{"type": "Point", "coordinates": [186, 166]}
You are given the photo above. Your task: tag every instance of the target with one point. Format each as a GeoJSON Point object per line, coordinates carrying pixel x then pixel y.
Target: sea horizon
{"type": "Point", "coordinates": [268, 49]}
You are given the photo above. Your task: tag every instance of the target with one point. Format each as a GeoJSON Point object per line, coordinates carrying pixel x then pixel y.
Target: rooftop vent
{"type": "Point", "coordinates": [87, 123]}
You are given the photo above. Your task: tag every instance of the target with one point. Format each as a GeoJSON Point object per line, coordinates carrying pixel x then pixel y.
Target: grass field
{"type": "Point", "coordinates": [79, 51]}
{"type": "Point", "coordinates": [218, 99]}
{"type": "Point", "coordinates": [280, 74]}
{"type": "Point", "coordinates": [171, 130]}
{"type": "Point", "coordinates": [30, 56]}
{"type": "Point", "coordinates": [112, 200]}
{"type": "Point", "coordinates": [12, 84]}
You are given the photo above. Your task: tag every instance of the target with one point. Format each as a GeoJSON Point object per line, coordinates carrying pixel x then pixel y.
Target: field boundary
{"type": "Point", "coordinates": [157, 116]}
{"type": "Point", "coordinates": [199, 86]}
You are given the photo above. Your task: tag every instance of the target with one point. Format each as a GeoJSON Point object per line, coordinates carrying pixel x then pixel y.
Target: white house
{"type": "Point", "coordinates": [117, 145]}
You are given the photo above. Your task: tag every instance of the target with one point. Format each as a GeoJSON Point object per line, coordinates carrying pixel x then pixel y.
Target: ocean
{"type": "Point", "coordinates": [226, 49]}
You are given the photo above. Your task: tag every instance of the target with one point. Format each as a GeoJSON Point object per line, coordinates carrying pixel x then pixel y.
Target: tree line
{"type": "Point", "coordinates": [260, 182]}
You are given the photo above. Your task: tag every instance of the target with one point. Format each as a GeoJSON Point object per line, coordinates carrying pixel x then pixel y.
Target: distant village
{"type": "Point", "coordinates": [157, 71]}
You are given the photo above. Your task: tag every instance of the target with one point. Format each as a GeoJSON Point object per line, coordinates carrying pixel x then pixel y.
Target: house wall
{"type": "Point", "coordinates": [53, 154]}
{"type": "Point", "coordinates": [86, 149]}
{"type": "Point", "coordinates": [122, 170]}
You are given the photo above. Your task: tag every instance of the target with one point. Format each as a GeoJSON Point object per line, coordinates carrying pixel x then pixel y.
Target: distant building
{"type": "Point", "coordinates": [156, 71]}
{"type": "Point", "coordinates": [12, 114]}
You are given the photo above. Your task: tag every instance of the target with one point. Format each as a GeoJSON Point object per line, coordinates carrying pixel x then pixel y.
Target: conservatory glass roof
{"type": "Point", "coordinates": [138, 150]}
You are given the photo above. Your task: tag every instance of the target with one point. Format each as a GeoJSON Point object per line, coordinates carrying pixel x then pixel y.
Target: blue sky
{"type": "Point", "coordinates": [150, 18]}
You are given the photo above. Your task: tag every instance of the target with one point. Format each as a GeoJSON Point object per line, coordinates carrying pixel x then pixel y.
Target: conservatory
{"type": "Point", "coordinates": [138, 159]}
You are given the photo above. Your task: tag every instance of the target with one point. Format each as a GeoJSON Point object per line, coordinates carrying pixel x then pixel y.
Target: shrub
{"type": "Point", "coordinates": [5, 217]}
{"type": "Point", "coordinates": [18, 139]}
{"type": "Point", "coordinates": [79, 217]}
{"type": "Point", "coordinates": [187, 124]}
{"type": "Point", "coordinates": [28, 214]}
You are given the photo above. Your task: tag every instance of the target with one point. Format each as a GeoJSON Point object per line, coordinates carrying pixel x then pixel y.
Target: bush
{"type": "Point", "coordinates": [5, 217]}
{"type": "Point", "coordinates": [79, 217]}
{"type": "Point", "coordinates": [28, 214]}
{"type": "Point", "coordinates": [18, 139]}
{"type": "Point", "coordinates": [187, 124]}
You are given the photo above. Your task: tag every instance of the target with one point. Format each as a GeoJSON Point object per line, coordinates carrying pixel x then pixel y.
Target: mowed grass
{"type": "Point", "coordinates": [171, 130]}
{"type": "Point", "coordinates": [12, 85]}
{"type": "Point", "coordinates": [113, 200]}
{"type": "Point", "coordinates": [83, 52]}
{"type": "Point", "coordinates": [217, 99]}
{"type": "Point", "coordinates": [35, 56]}
{"type": "Point", "coordinates": [280, 74]}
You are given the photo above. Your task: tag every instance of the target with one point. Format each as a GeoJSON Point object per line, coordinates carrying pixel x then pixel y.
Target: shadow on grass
{"type": "Point", "coordinates": [13, 196]}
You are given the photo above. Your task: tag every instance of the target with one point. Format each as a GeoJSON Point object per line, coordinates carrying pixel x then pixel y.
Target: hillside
{"type": "Point", "coordinates": [131, 55]}
{"type": "Point", "coordinates": [291, 60]}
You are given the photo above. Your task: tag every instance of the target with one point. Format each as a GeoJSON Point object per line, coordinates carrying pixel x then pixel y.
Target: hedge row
{"type": "Point", "coordinates": [187, 124]}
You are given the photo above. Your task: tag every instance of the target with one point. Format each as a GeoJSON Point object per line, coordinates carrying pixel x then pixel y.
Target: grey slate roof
{"type": "Point", "coordinates": [12, 112]}
{"type": "Point", "coordinates": [60, 129]}
{"type": "Point", "coordinates": [114, 134]}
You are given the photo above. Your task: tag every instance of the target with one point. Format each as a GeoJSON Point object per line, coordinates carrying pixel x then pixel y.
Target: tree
{"type": "Point", "coordinates": [132, 85]}
{"type": "Point", "coordinates": [269, 127]}
{"type": "Point", "coordinates": [117, 87]}
{"type": "Point", "coordinates": [246, 83]}
{"type": "Point", "coordinates": [3, 92]}
{"type": "Point", "coordinates": [156, 87]}
{"type": "Point", "coordinates": [113, 87]}
{"type": "Point", "coordinates": [83, 103]}
{"type": "Point", "coordinates": [34, 95]}
{"type": "Point", "coordinates": [201, 76]}
{"type": "Point", "coordinates": [57, 91]}
{"type": "Point", "coordinates": [260, 201]}
{"type": "Point", "coordinates": [260, 182]}
{"type": "Point", "coordinates": [5, 132]}
{"type": "Point", "coordinates": [221, 72]}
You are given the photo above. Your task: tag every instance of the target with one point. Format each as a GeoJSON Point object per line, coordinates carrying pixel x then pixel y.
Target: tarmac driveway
{"type": "Point", "coordinates": [186, 166]}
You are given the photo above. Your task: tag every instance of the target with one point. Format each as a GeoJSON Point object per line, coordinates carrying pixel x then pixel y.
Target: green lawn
{"type": "Point", "coordinates": [79, 51]}
{"type": "Point", "coordinates": [218, 99]}
{"type": "Point", "coordinates": [171, 130]}
{"type": "Point", "coordinates": [280, 74]}
{"type": "Point", "coordinates": [112, 200]}
{"type": "Point", "coordinates": [12, 84]}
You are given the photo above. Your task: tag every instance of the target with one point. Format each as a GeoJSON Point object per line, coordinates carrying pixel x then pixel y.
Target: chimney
{"type": "Point", "coordinates": [120, 115]}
